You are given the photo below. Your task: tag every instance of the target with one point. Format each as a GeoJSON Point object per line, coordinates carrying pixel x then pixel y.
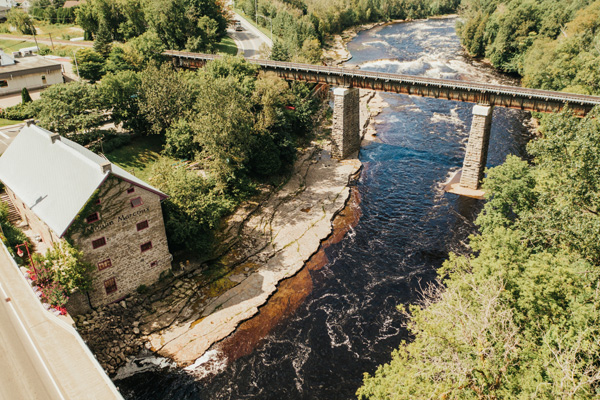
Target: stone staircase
{"type": "Point", "coordinates": [13, 215]}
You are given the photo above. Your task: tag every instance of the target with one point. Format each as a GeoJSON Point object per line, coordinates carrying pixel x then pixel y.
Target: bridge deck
{"type": "Point", "coordinates": [482, 93]}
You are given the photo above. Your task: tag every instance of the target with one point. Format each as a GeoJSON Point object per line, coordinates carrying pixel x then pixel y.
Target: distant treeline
{"type": "Point", "coordinates": [52, 11]}
{"type": "Point", "coordinates": [195, 25]}
{"type": "Point", "coordinates": [553, 44]}
{"type": "Point", "coordinates": [300, 26]}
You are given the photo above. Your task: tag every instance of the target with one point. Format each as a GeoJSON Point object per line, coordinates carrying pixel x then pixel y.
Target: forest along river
{"type": "Point", "coordinates": [340, 313]}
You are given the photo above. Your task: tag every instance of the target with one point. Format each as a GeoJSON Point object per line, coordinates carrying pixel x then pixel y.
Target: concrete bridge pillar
{"type": "Point", "coordinates": [346, 125]}
{"type": "Point", "coordinates": [477, 147]}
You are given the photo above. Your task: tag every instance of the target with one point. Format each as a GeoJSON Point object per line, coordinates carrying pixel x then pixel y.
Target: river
{"type": "Point", "coordinates": [347, 321]}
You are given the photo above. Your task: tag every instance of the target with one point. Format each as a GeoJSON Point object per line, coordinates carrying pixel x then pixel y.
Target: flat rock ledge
{"type": "Point", "coordinates": [292, 223]}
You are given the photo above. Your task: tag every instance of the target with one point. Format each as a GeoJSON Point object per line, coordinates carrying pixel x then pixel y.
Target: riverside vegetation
{"type": "Point", "coordinates": [238, 129]}
{"type": "Point", "coordinates": [519, 317]}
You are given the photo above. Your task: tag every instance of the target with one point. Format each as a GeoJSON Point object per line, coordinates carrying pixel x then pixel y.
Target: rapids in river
{"type": "Point", "coordinates": [344, 320]}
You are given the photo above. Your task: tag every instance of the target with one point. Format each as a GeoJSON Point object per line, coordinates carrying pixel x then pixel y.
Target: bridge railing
{"type": "Point", "coordinates": [409, 80]}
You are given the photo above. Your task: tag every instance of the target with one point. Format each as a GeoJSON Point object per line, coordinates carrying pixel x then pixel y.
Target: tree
{"type": "Point", "coordinates": [72, 107]}
{"type": "Point", "coordinates": [119, 94]}
{"type": "Point", "coordinates": [25, 97]}
{"type": "Point", "coordinates": [90, 64]}
{"type": "Point", "coordinates": [280, 51]}
{"type": "Point", "coordinates": [199, 24]}
{"type": "Point", "coordinates": [466, 343]}
{"type": "Point", "coordinates": [20, 20]}
{"type": "Point", "coordinates": [103, 40]}
{"type": "Point", "coordinates": [164, 96]}
{"type": "Point", "coordinates": [144, 49]}
{"type": "Point", "coordinates": [194, 207]}
{"type": "Point", "coordinates": [311, 51]}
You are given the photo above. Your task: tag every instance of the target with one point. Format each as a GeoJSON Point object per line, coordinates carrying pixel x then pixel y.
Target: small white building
{"type": "Point", "coordinates": [26, 69]}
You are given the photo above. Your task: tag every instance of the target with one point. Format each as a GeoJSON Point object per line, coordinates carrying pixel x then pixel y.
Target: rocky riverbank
{"type": "Point", "coordinates": [266, 240]}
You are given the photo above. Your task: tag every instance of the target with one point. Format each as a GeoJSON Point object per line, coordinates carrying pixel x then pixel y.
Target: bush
{"type": "Point", "coordinates": [142, 289]}
{"type": "Point", "coordinates": [18, 112]}
{"type": "Point", "coordinates": [54, 294]}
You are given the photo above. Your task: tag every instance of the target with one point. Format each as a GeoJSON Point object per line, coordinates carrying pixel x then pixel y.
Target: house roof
{"type": "Point", "coordinates": [28, 65]}
{"type": "Point", "coordinates": [56, 178]}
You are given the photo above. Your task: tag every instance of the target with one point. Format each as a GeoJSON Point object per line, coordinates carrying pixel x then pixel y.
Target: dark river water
{"type": "Point", "coordinates": [349, 322]}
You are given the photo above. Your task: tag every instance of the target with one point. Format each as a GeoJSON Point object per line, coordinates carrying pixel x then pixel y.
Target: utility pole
{"type": "Point", "coordinates": [76, 65]}
{"type": "Point", "coordinates": [34, 37]}
{"type": "Point", "coordinates": [51, 41]}
{"type": "Point", "coordinates": [256, 11]}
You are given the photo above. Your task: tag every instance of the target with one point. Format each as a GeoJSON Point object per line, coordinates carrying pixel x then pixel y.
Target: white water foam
{"type": "Point", "coordinates": [453, 118]}
{"type": "Point", "coordinates": [142, 364]}
{"type": "Point", "coordinates": [211, 363]}
{"type": "Point", "coordinates": [432, 66]}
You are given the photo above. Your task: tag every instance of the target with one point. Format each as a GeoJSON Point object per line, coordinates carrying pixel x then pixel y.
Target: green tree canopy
{"type": "Point", "coordinates": [519, 317]}
{"type": "Point", "coordinates": [89, 64]}
{"type": "Point", "coordinates": [72, 107]}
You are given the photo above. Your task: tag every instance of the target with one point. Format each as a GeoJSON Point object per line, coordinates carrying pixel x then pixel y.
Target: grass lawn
{"type": "Point", "coordinates": [5, 122]}
{"type": "Point", "coordinates": [138, 156]}
{"type": "Point", "coordinates": [227, 46]}
{"type": "Point", "coordinates": [58, 31]}
{"type": "Point", "coordinates": [13, 45]}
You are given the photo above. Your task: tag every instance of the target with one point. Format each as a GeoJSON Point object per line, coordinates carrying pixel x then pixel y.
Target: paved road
{"type": "Point", "coordinates": [23, 372]}
{"type": "Point", "coordinates": [42, 357]}
{"type": "Point", "coordinates": [250, 39]}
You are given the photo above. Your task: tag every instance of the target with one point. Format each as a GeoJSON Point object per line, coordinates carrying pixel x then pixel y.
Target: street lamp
{"type": "Point", "coordinates": [20, 254]}
{"type": "Point", "coordinates": [270, 20]}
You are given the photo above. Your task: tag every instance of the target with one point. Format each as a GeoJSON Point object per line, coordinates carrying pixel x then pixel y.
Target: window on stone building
{"type": "Point", "coordinates": [130, 190]}
{"type": "Point", "coordinates": [98, 242]}
{"type": "Point", "coordinates": [110, 285]}
{"type": "Point", "coordinates": [104, 264]}
{"type": "Point", "coordinates": [146, 246]}
{"type": "Point", "coordinates": [136, 202]}
{"type": "Point", "coordinates": [3, 83]}
{"type": "Point", "coordinates": [93, 218]}
{"type": "Point", "coordinates": [153, 264]}
{"type": "Point", "coordinates": [142, 225]}
{"type": "Point", "coordinates": [98, 201]}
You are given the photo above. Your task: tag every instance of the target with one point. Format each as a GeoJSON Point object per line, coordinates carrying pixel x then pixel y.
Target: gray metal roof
{"type": "Point", "coordinates": [55, 180]}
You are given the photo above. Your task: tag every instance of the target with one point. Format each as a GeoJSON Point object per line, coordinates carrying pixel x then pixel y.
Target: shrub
{"type": "Point", "coordinates": [18, 112]}
{"type": "Point", "coordinates": [142, 289]}
{"type": "Point", "coordinates": [25, 97]}
{"type": "Point", "coordinates": [54, 294]}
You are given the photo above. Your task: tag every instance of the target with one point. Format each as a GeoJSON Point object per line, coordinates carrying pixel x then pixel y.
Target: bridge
{"type": "Point", "coordinates": [346, 101]}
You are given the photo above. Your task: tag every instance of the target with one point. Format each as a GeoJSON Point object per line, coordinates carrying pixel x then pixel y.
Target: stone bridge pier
{"type": "Point", "coordinates": [467, 181]}
{"type": "Point", "coordinates": [346, 122]}
{"type": "Point", "coordinates": [477, 147]}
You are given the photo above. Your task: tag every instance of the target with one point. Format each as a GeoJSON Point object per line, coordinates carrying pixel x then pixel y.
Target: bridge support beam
{"type": "Point", "coordinates": [477, 147]}
{"type": "Point", "coordinates": [346, 125]}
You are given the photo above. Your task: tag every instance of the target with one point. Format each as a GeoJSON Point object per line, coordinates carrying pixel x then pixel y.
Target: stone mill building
{"type": "Point", "coordinates": [64, 191]}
